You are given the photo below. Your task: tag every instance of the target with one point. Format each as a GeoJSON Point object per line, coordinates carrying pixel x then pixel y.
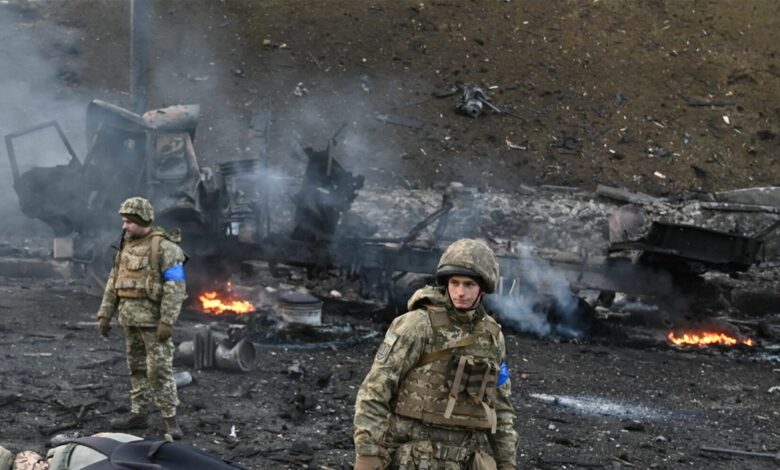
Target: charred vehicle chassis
{"type": "Point", "coordinates": [223, 212]}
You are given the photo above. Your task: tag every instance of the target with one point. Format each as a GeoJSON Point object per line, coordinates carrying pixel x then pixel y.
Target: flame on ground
{"type": "Point", "coordinates": [211, 303]}
{"type": "Point", "coordinates": [706, 339]}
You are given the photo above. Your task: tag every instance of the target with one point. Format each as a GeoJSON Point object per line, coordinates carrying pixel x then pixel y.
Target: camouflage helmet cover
{"type": "Point", "coordinates": [473, 258]}
{"type": "Point", "coordinates": [138, 207]}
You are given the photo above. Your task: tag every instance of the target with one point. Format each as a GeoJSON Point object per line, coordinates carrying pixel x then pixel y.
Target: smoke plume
{"type": "Point", "coordinates": [542, 303]}
{"type": "Point", "coordinates": [38, 68]}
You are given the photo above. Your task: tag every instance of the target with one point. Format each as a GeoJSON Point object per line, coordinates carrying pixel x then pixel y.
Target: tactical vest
{"type": "Point", "coordinates": [138, 273]}
{"type": "Point", "coordinates": [454, 381]}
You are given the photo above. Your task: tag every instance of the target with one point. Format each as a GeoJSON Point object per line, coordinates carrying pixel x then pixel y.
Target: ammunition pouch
{"type": "Point", "coordinates": [138, 270]}
{"type": "Point", "coordinates": [476, 379]}
{"type": "Point", "coordinates": [414, 455]}
{"type": "Point", "coordinates": [444, 452]}
{"type": "Point", "coordinates": [454, 384]}
{"type": "Point", "coordinates": [482, 461]}
{"type": "Point", "coordinates": [426, 454]}
{"type": "Point", "coordinates": [465, 397]}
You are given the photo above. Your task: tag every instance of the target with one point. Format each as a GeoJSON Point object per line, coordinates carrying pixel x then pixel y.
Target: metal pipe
{"type": "Point", "coordinates": [240, 356]}
{"type": "Point", "coordinates": [764, 455]}
{"type": "Point", "coordinates": [139, 53]}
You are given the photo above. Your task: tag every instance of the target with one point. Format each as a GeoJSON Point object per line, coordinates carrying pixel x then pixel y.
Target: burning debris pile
{"type": "Point", "coordinates": [263, 317]}
{"type": "Point", "coordinates": [212, 302]}
{"type": "Point", "coordinates": [706, 338]}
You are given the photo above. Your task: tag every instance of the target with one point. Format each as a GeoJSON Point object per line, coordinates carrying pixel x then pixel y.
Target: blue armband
{"type": "Point", "coordinates": [503, 374]}
{"type": "Point", "coordinates": [175, 273]}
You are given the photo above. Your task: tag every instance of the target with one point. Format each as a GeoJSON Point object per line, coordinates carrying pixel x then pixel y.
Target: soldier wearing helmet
{"type": "Point", "coordinates": [146, 287]}
{"type": "Point", "coordinates": [438, 390]}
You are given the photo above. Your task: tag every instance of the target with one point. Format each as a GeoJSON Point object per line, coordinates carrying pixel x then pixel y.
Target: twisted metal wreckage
{"type": "Point", "coordinates": [225, 214]}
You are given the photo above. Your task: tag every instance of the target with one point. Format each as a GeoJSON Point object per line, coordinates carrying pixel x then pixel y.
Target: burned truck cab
{"type": "Point", "coordinates": [128, 154]}
{"type": "Point", "coordinates": [151, 155]}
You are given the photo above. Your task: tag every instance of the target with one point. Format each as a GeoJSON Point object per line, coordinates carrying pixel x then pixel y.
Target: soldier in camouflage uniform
{"type": "Point", "coordinates": [146, 287]}
{"type": "Point", "coordinates": [438, 389]}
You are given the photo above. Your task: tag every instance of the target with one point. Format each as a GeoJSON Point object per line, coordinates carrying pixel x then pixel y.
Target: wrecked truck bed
{"type": "Point", "coordinates": [713, 248]}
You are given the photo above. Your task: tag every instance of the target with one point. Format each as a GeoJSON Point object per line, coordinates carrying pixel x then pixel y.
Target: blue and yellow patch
{"type": "Point", "coordinates": [386, 347]}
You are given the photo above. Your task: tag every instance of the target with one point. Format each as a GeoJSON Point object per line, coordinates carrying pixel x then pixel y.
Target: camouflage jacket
{"type": "Point", "coordinates": [167, 292]}
{"type": "Point", "coordinates": [409, 338]}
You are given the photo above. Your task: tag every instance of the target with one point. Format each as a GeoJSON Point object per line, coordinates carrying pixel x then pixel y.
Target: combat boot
{"type": "Point", "coordinates": [130, 421]}
{"type": "Point", "coordinates": [172, 428]}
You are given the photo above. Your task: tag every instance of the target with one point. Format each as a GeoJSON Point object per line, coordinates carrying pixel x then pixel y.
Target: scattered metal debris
{"type": "Point", "coordinates": [399, 120]}
{"type": "Point", "coordinates": [473, 101]}
{"type": "Point", "coordinates": [693, 102]}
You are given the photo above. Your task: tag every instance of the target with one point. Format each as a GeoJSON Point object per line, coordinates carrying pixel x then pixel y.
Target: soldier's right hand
{"type": "Point", "coordinates": [368, 462]}
{"type": "Point", "coordinates": [103, 326]}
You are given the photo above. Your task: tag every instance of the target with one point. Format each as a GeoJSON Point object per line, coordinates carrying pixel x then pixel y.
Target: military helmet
{"type": "Point", "coordinates": [472, 258]}
{"type": "Point", "coordinates": [138, 210]}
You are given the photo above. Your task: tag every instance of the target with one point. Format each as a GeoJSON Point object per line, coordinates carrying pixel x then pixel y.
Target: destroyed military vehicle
{"type": "Point", "coordinates": [129, 154]}
{"type": "Point", "coordinates": [221, 211]}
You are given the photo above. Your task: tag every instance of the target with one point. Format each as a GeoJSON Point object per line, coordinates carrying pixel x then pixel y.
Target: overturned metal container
{"type": "Point", "coordinates": [199, 352]}
{"type": "Point", "coordinates": [300, 307]}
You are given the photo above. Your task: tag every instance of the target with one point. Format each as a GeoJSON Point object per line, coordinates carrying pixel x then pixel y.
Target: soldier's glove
{"type": "Point", "coordinates": [164, 332]}
{"type": "Point", "coordinates": [368, 462]}
{"type": "Point", "coordinates": [103, 326]}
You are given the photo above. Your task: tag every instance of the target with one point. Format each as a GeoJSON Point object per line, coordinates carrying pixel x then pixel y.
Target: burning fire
{"type": "Point", "coordinates": [706, 338]}
{"type": "Point", "coordinates": [211, 302]}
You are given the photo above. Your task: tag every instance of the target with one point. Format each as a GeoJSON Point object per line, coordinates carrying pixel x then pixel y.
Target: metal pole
{"type": "Point", "coordinates": [139, 53]}
{"type": "Point", "coordinates": [763, 455]}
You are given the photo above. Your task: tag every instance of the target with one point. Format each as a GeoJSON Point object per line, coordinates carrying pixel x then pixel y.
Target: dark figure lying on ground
{"type": "Point", "coordinates": [113, 451]}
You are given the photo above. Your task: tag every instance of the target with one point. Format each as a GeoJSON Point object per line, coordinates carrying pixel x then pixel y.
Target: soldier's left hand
{"type": "Point", "coordinates": [164, 331]}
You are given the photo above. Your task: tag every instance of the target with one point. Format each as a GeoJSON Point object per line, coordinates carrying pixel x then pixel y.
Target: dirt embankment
{"type": "Point", "coordinates": [661, 96]}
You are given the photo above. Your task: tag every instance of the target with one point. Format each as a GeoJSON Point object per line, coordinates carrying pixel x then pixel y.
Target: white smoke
{"type": "Point", "coordinates": [541, 303]}
{"type": "Point", "coordinates": [38, 77]}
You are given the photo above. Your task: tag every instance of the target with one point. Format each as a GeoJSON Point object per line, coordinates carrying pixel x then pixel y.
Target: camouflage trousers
{"type": "Point", "coordinates": [413, 445]}
{"type": "Point", "coordinates": [151, 371]}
